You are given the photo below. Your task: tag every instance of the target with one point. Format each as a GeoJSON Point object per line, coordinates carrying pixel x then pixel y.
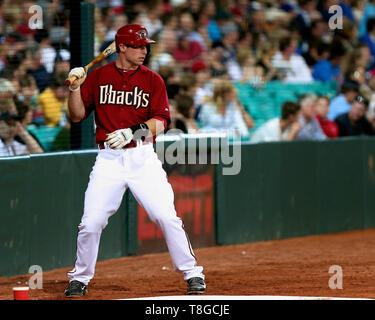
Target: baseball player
{"type": "Point", "coordinates": [131, 107]}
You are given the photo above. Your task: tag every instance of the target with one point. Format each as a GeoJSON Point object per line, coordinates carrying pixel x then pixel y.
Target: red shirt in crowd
{"type": "Point", "coordinates": [188, 54]}
{"type": "Point", "coordinates": [329, 127]}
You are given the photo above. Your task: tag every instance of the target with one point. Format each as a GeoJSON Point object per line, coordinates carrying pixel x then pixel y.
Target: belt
{"type": "Point", "coordinates": [132, 144]}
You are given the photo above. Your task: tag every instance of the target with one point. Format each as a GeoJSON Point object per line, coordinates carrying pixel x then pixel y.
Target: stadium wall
{"type": "Point", "coordinates": [283, 190]}
{"type": "Point", "coordinates": [297, 188]}
{"type": "Point", "coordinates": [41, 203]}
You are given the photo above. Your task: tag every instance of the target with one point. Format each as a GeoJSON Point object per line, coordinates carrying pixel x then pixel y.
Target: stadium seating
{"type": "Point", "coordinates": [46, 135]}
{"type": "Point", "coordinates": [265, 103]}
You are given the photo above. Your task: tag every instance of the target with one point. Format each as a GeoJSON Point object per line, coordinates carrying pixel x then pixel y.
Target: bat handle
{"type": "Point", "coordinates": [70, 80]}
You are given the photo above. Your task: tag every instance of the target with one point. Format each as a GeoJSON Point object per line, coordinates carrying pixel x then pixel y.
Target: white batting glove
{"type": "Point", "coordinates": [80, 73]}
{"type": "Point", "coordinates": [119, 138]}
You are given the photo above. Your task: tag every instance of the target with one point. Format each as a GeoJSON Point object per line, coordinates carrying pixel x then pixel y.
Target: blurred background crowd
{"type": "Point", "coordinates": [259, 70]}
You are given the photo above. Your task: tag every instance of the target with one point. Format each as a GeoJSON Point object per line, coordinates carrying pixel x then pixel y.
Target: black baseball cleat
{"type": "Point", "coordinates": [196, 285]}
{"type": "Point", "coordinates": [75, 289]}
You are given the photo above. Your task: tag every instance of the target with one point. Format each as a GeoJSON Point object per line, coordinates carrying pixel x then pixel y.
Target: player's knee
{"type": "Point", "coordinates": [93, 225]}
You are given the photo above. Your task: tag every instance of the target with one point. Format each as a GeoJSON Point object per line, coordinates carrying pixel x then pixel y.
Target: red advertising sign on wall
{"type": "Point", "coordinates": [194, 205]}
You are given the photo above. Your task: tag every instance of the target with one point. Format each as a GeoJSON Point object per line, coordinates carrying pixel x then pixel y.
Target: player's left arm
{"type": "Point", "coordinates": [120, 138]}
{"type": "Point", "coordinates": [155, 127]}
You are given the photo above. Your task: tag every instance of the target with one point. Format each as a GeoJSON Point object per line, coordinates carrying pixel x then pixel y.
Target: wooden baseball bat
{"type": "Point", "coordinates": [107, 52]}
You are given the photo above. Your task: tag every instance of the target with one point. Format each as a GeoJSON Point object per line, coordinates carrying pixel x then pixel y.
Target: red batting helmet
{"type": "Point", "coordinates": [133, 35]}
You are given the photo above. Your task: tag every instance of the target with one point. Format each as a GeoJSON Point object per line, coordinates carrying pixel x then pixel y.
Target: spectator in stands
{"type": "Point", "coordinates": [329, 69]}
{"type": "Point", "coordinates": [47, 52]}
{"type": "Point", "coordinates": [319, 30]}
{"type": "Point", "coordinates": [174, 115]}
{"type": "Point", "coordinates": [185, 119]}
{"type": "Point", "coordinates": [368, 12]}
{"type": "Point", "coordinates": [265, 61]}
{"type": "Point", "coordinates": [346, 6]}
{"type": "Point", "coordinates": [241, 10]}
{"type": "Point", "coordinates": [25, 117]}
{"type": "Point", "coordinates": [364, 58]}
{"type": "Point", "coordinates": [59, 32]}
{"type": "Point", "coordinates": [285, 128]}
{"type": "Point", "coordinates": [358, 74]}
{"type": "Point", "coordinates": [354, 122]}
{"type": "Point", "coordinates": [188, 84]}
{"type": "Point", "coordinates": [171, 79]}
{"type": "Point", "coordinates": [302, 20]}
{"type": "Point", "coordinates": [342, 102]}
{"type": "Point", "coordinates": [317, 51]}
{"type": "Point", "coordinates": [116, 21]}
{"type": "Point", "coordinates": [206, 14]}
{"type": "Point", "coordinates": [348, 35]}
{"type": "Point", "coordinates": [288, 6]}
{"type": "Point", "coordinates": [328, 126]}
{"type": "Point", "coordinates": [61, 64]}
{"type": "Point", "coordinates": [276, 19]}
{"type": "Point", "coordinates": [371, 108]}
{"type": "Point", "coordinates": [28, 91]}
{"type": "Point", "coordinates": [186, 51]}
{"type": "Point", "coordinates": [258, 21]}
{"type": "Point", "coordinates": [297, 70]}
{"type": "Point", "coordinates": [161, 53]}
{"type": "Point", "coordinates": [7, 105]}
{"type": "Point", "coordinates": [203, 84]}
{"type": "Point", "coordinates": [250, 71]}
{"type": "Point", "coordinates": [369, 36]}
{"type": "Point", "coordinates": [187, 26]}
{"type": "Point", "coordinates": [259, 40]}
{"type": "Point", "coordinates": [245, 38]}
{"type": "Point", "coordinates": [23, 28]}
{"type": "Point", "coordinates": [359, 57]}
{"type": "Point", "coordinates": [38, 70]}
{"type": "Point", "coordinates": [151, 17]}
{"type": "Point", "coordinates": [10, 127]}
{"type": "Point", "coordinates": [202, 31]}
{"type": "Point", "coordinates": [221, 17]}
{"type": "Point", "coordinates": [225, 113]}
{"type": "Point", "coordinates": [311, 129]}
{"type": "Point", "coordinates": [6, 89]}
{"type": "Point", "coordinates": [29, 94]}
{"type": "Point", "coordinates": [230, 36]}
{"type": "Point", "coordinates": [324, 8]}
{"type": "Point", "coordinates": [215, 60]}
{"type": "Point", "coordinates": [53, 101]}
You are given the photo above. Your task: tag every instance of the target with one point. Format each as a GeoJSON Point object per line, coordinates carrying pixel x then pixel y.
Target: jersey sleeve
{"type": "Point", "coordinates": [159, 105]}
{"type": "Point", "coordinates": [88, 93]}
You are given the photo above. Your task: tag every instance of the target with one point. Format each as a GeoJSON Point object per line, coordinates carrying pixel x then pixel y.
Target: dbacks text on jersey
{"type": "Point", "coordinates": [137, 98]}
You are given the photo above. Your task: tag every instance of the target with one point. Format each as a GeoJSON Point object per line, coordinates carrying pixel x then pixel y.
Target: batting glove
{"type": "Point", "coordinates": [80, 73]}
{"type": "Point", "coordinates": [119, 138]}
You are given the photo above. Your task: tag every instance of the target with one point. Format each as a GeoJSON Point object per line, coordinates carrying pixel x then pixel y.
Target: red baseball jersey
{"type": "Point", "coordinates": [123, 99]}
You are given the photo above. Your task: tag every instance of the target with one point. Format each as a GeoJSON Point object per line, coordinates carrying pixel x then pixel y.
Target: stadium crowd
{"type": "Point", "coordinates": [203, 49]}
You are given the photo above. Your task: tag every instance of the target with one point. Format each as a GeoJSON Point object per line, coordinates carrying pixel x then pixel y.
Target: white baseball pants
{"type": "Point", "coordinates": [139, 169]}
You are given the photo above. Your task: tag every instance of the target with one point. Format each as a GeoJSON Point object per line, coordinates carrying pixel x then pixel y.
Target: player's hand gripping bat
{"type": "Point", "coordinates": [107, 52]}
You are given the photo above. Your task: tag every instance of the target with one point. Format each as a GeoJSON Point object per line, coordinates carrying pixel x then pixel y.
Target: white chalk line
{"type": "Point", "coordinates": [213, 297]}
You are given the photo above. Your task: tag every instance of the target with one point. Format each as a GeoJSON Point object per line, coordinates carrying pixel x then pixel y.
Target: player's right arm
{"type": "Point", "coordinates": [75, 102]}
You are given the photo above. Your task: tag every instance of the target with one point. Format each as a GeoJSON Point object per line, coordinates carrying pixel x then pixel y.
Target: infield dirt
{"type": "Point", "coordinates": [290, 267]}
